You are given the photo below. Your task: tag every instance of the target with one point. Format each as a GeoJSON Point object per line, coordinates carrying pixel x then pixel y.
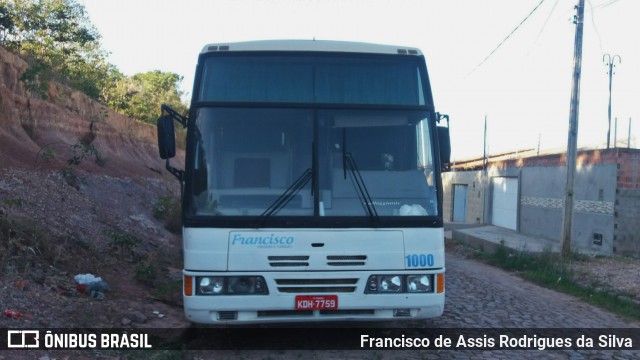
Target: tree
{"type": "Point", "coordinates": [7, 26]}
{"type": "Point", "coordinates": [141, 95]}
{"type": "Point", "coordinates": [59, 41]}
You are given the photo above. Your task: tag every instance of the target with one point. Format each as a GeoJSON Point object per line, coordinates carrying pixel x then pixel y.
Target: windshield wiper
{"type": "Point", "coordinates": [356, 177]}
{"type": "Point", "coordinates": [287, 195]}
{"type": "Point", "coordinates": [361, 188]}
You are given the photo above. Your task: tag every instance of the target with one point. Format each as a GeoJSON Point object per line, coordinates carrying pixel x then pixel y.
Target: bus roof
{"type": "Point", "coordinates": [312, 45]}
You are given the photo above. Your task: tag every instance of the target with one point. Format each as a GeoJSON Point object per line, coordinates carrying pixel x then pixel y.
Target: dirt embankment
{"type": "Point", "coordinates": [34, 130]}
{"type": "Point", "coordinates": [81, 191]}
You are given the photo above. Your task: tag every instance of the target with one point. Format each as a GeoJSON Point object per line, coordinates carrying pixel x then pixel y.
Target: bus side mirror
{"type": "Point", "coordinates": [444, 142]}
{"type": "Point", "coordinates": [166, 137]}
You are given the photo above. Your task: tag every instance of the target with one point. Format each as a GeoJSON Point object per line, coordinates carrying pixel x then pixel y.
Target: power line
{"type": "Point", "coordinates": [547, 19]}
{"type": "Point", "coordinates": [505, 39]}
{"type": "Point", "coordinates": [608, 3]}
{"type": "Point", "coordinates": [593, 22]}
{"type": "Point", "coordinates": [544, 25]}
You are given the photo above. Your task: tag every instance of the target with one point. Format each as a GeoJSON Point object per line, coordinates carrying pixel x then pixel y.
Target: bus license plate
{"type": "Point", "coordinates": [316, 302]}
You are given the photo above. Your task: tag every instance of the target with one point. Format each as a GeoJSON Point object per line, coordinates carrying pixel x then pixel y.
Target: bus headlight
{"type": "Point", "coordinates": [209, 285]}
{"type": "Point", "coordinates": [240, 285]}
{"type": "Point", "coordinates": [384, 284]}
{"type": "Point", "coordinates": [419, 283]}
{"type": "Point", "coordinates": [231, 285]}
{"type": "Point", "coordinates": [390, 283]}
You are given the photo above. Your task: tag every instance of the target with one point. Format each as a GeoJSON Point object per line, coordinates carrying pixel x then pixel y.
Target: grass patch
{"type": "Point", "coordinates": [22, 243]}
{"type": "Point", "coordinates": [14, 202]}
{"type": "Point", "coordinates": [26, 245]}
{"type": "Point", "coordinates": [47, 154]}
{"type": "Point", "coordinates": [168, 289]}
{"type": "Point", "coordinates": [553, 271]}
{"type": "Point", "coordinates": [169, 210]}
{"type": "Point", "coordinates": [123, 244]}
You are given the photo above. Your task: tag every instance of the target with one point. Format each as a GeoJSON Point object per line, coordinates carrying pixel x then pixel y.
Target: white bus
{"type": "Point", "coordinates": [311, 185]}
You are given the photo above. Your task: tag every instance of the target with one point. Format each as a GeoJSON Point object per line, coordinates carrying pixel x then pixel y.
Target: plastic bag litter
{"type": "Point", "coordinates": [91, 285]}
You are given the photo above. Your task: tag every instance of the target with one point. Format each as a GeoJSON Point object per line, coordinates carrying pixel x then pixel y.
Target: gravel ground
{"type": "Point", "coordinates": [51, 231]}
{"type": "Point", "coordinates": [617, 274]}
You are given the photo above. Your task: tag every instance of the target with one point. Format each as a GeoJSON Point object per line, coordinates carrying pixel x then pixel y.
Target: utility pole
{"type": "Point", "coordinates": [485, 177]}
{"type": "Point", "coordinates": [629, 136]}
{"type": "Point", "coordinates": [484, 150]}
{"type": "Point", "coordinates": [610, 61]}
{"type": "Point", "coordinates": [615, 133]}
{"type": "Point", "coordinates": [572, 143]}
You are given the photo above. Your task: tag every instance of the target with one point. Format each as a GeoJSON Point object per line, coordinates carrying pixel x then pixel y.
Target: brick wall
{"type": "Point", "coordinates": [627, 205]}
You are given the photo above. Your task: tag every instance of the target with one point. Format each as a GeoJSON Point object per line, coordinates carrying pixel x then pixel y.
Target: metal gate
{"type": "Point", "coordinates": [505, 202]}
{"type": "Point", "coordinates": [460, 203]}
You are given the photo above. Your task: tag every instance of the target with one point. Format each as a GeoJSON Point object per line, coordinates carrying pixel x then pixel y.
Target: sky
{"type": "Point", "coordinates": [522, 87]}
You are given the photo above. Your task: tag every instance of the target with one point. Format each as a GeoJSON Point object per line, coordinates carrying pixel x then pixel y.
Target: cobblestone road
{"type": "Point", "coordinates": [478, 296]}
{"type": "Point", "coordinates": [481, 296]}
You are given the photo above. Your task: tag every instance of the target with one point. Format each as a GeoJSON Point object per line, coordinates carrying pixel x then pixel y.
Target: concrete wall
{"type": "Point", "coordinates": [541, 197]}
{"type": "Point", "coordinates": [475, 194]}
{"type": "Point", "coordinates": [606, 202]}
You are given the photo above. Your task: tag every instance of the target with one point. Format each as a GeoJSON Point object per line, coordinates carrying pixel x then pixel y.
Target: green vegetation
{"type": "Point", "coordinates": [123, 243]}
{"type": "Point", "coordinates": [146, 272]}
{"type": "Point", "coordinates": [168, 289]}
{"type": "Point", "coordinates": [47, 154]}
{"type": "Point", "coordinates": [25, 245]}
{"type": "Point", "coordinates": [14, 202]}
{"type": "Point", "coordinates": [168, 209]}
{"type": "Point", "coordinates": [153, 271]}
{"type": "Point", "coordinates": [60, 43]}
{"type": "Point", "coordinates": [140, 95]}
{"type": "Point", "coordinates": [554, 271]}
{"type": "Point", "coordinates": [81, 150]}
{"type": "Point", "coordinates": [71, 177]}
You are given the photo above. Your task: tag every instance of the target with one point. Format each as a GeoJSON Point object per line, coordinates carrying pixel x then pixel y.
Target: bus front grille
{"type": "Point", "coordinates": [346, 260]}
{"type": "Point", "coordinates": [288, 261]}
{"type": "Point", "coordinates": [281, 261]}
{"type": "Point", "coordinates": [307, 286]}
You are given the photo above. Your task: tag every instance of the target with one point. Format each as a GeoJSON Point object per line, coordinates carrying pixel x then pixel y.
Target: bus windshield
{"type": "Point", "coordinates": [321, 78]}
{"type": "Point", "coordinates": [251, 157]}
